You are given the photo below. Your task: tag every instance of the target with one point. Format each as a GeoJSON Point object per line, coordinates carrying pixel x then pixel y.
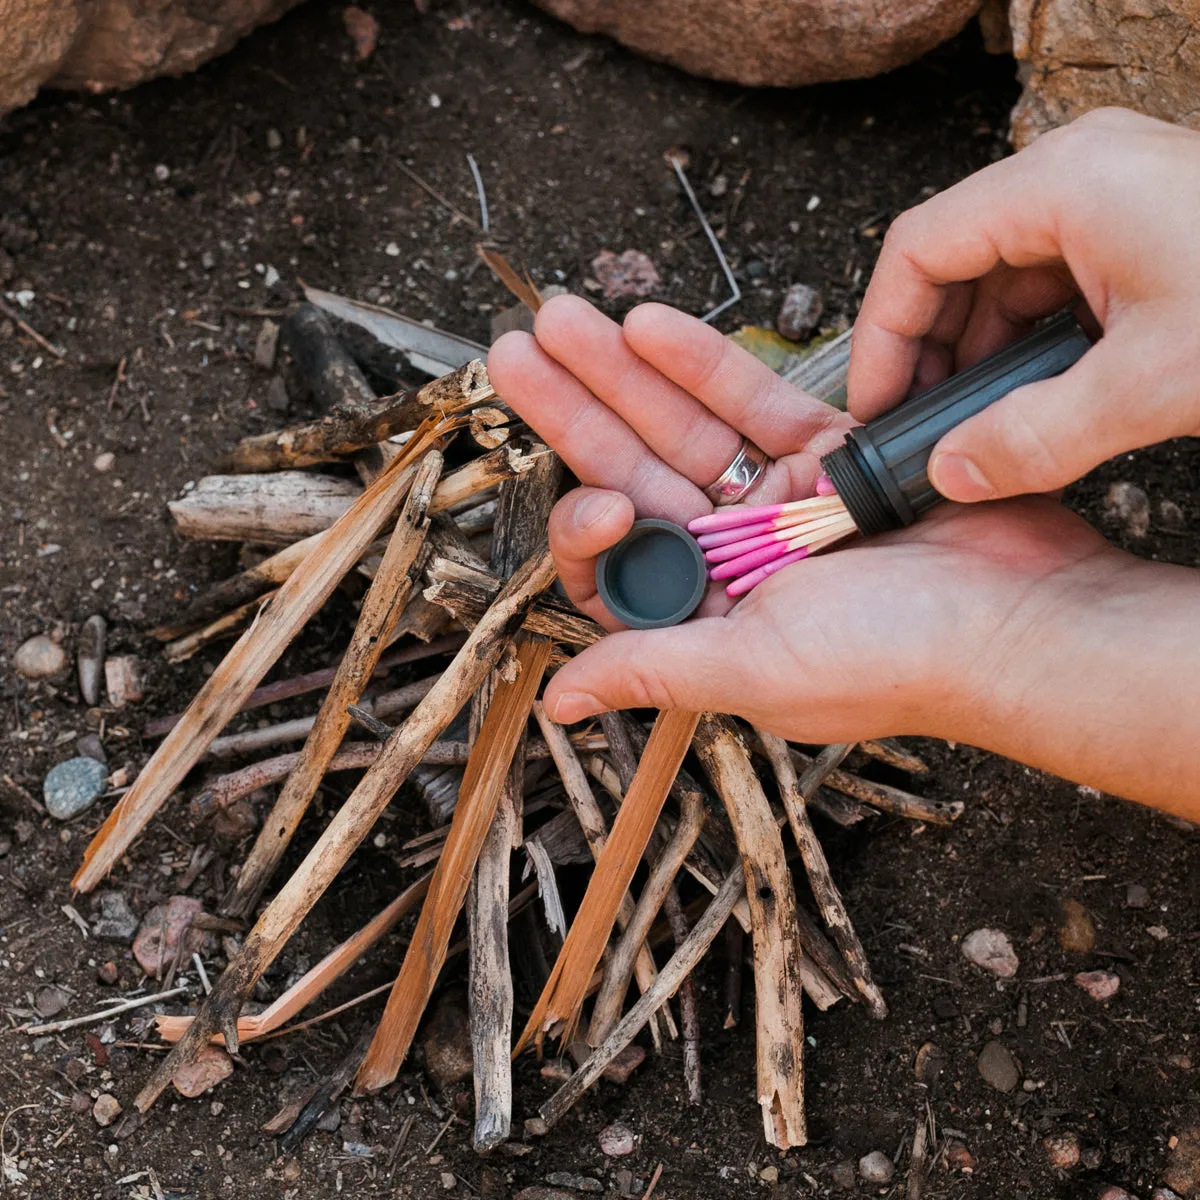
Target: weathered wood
{"type": "Point", "coordinates": [381, 609]}
{"type": "Point", "coordinates": [353, 821]}
{"type": "Point", "coordinates": [888, 799]}
{"type": "Point", "coordinates": [779, 1020]}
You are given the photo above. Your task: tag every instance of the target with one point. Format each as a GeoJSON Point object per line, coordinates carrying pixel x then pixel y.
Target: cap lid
{"type": "Point", "coordinates": [653, 577]}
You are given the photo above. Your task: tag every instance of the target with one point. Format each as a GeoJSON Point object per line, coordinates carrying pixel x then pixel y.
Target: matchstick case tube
{"type": "Point", "coordinates": [881, 473]}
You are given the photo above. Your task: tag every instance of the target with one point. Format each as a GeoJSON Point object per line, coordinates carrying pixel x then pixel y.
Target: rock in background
{"type": "Point", "coordinates": [778, 43]}
{"type": "Point", "coordinates": [103, 44]}
{"type": "Point", "coordinates": [1077, 55]}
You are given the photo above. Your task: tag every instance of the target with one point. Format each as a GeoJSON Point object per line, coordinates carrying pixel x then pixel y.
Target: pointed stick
{"type": "Point", "coordinates": [795, 794]}
{"type": "Point", "coordinates": [611, 998]}
{"type": "Point", "coordinates": [779, 1021]}
{"type": "Point", "coordinates": [310, 985]}
{"type": "Point", "coordinates": [381, 609]}
{"type": "Point", "coordinates": [563, 994]}
{"type": "Point", "coordinates": [353, 821]}
{"type": "Point", "coordinates": [245, 665]}
{"type": "Point", "coordinates": [478, 797]}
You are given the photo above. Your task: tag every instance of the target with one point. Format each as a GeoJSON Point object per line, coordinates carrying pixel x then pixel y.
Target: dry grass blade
{"type": "Point", "coordinates": [564, 992]}
{"type": "Point", "coordinates": [245, 665]}
{"type": "Point", "coordinates": [353, 821]}
{"type": "Point", "coordinates": [523, 289]}
{"type": "Point", "coordinates": [478, 796]}
{"type": "Point", "coordinates": [380, 611]}
{"type": "Point", "coordinates": [306, 989]}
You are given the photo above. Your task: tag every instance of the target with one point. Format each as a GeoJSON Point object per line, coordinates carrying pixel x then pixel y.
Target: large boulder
{"type": "Point", "coordinates": [773, 42]}
{"type": "Point", "coordinates": [102, 44]}
{"type": "Point", "coordinates": [1078, 55]}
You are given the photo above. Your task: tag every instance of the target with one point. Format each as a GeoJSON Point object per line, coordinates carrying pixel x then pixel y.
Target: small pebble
{"type": "Point", "coordinates": [1158, 932]}
{"type": "Point", "coordinates": [1062, 1150]}
{"type": "Point", "coordinates": [1183, 1167]}
{"type": "Point", "coordinates": [1182, 1062]}
{"type": "Point", "coordinates": [115, 921]}
{"type": "Point", "coordinates": [39, 658]}
{"type": "Point", "coordinates": [123, 678]}
{"type": "Point", "coordinates": [50, 1001]}
{"type": "Point", "coordinates": [544, 1193]}
{"type": "Point", "coordinates": [876, 1167]}
{"type": "Point", "coordinates": [536, 1127]}
{"type": "Point", "coordinates": [769, 1174]}
{"type": "Point", "coordinates": [998, 1067]}
{"type": "Point", "coordinates": [211, 1065]}
{"type": "Point", "coordinates": [89, 657]}
{"type": "Point", "coordinates": [930, 1063]}
{"type": "Point", "coordinates": [447, 1040]}
{"type": "Point", "coordinates": [106, 1109]}
{"type": "Point", "coordinates": [629, 275]}
{"type": "Point", "coordinates": [578, 1183]}
{"type": "Point", "coordinates": [1136, 896]}
{"type": "Point", "coordinates": [1100, 985]}
{"type": "Point", "coordinates": [108, 974]}
{"type": "Point", "coordinates": [1076, 930]}
{"type": "Point", "coordinates": [1164, 1194]}
{"type": "Point", "coordinates": [1127, 505]}
{"type": "Point", "coordinates": [843, 1175]}
{"type": "Point", "coordinates": [624, 1064]}
{"type": "Point", "coordinates": [90, 746]}
{"type": "Point", "coordinates": [1115, 1193]}
{"type": "Point", "coordinates": [558, 1070]}
{"type": "Point", "coordinates": [104, 461]}
{"type": "Point", "coordinates": [449, 1181]}
{"type": "Point", "coordinates": [274, 139]}
{"type": "Point", "coordinates": [73, 787]}
{"type": "Point", "coordinates": [617, 1139]}
{"type": "Point", "coordinates": [800, 312]}
{"type": "Point", "coordinates": [958, 1157]}
{"type": "Point", "coordinates": [991, 950]}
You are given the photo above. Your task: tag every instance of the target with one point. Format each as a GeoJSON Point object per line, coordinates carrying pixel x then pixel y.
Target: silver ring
{"type": "Point", "coordinates": [740, 477]}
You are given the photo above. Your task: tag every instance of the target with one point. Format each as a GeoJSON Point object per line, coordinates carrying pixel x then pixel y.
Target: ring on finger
{"type": "Point", "coordinates": [741, 477]}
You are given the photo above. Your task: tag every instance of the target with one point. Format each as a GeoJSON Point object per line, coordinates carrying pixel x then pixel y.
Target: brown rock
{"type": "Point", "coordinates": [363, 30]}
{"type": "Point", "coordinates": [446, 1040]}
{"type": "Point", "coordinates": [40, 657]}
{"type": "Point", "coordinates": [97, 45]}
{"type": "Point", "coordinates": [157, 942]}
{"type": "Point", "coordinates": [1078, 55]}
{"type": "Point", "coordinates": [106, 1109]}
{"type": "Point", "coordinates": [108, 973]}
{"type": "Point", "coordinates": [1062, 1150]}
{"type": "Point", "coordinates": [998, 1067]}
{"type": "Point", "coordinates": [624, 1065]}
{"type": "Point", "coordinates": [50, 1001]}
{"type": "Point", "coordinates": [1183, 1167]}
{"type": "Point", "coordinates": [1100, 985]}
{"type": "Point", "coordinates": [123, 678]}
{"type": "Point", "coordinates": [959, 1158]}
{"type": "Point", "coordinates": [1076, 930]}
{"type": "Point", "coordinates": [212, 1065]}
{"type": "Point", "coordinates": [773, 42]}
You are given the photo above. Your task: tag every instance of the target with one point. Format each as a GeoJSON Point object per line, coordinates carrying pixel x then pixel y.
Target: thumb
{"type": "Point", "coordinates": [695, 666]}
{"type": "Point", "coordinates": [1120, 395]}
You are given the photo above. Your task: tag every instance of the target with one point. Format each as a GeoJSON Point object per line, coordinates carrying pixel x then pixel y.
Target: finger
{"type": "Point", "coordinates": [695, 666]}
{"type": "Point", "coordinates": [733, 384]}
{"type": "Point", "coordinates": [675, 425]}
{"type": "Point", "coordinates": [1007, 303]}
{"type": "Point", "coordinates": [1131, 389]}
{"type": "Point", "coordinates": [583, 524]}
{"type": "Point", "coordinates": [595, 443]}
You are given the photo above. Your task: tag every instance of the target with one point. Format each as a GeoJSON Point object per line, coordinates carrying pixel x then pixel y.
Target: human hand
{"type": "Point", "coordinates": [1103, 209]}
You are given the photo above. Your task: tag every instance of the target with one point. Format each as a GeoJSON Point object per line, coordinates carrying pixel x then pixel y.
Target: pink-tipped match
{"type": "Point", "coordinates": [739, 587]}
{"type": "Point", "coordinates": [709, 541]}
{"type": "Point", "coordinates": [731, 518]}
{"type": "Point", "coordinates": [734, 550]}
{"type": "Point", "coordinates": [825, 486]}
{"type": "Point", "coordinates": [748, 562]}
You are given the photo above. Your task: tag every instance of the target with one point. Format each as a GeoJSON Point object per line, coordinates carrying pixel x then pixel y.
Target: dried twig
{"type": "Point", "coordinates": [104, 1014]}
{"type": "Point", "coordinates": [888, 799]}
{"type": "Point", "coordinates": [28, 330]}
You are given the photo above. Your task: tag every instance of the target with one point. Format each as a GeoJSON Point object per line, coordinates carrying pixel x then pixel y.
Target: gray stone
{"type": "Point", "coordinates": [876, 1167]}
{"type": "Point", "coordinates": [1136, 896]}
{"type": "Point", "coordinates": [73, 787]}
{"type": "Point", "coordinates": [799, 313]}
{"type": "Point", "coordinates": [90, 746]}
{"type": "Point", "coordinates": [115, 921]}
{"type": "Point", "coordinates": [991, 950]}
{"type": "Point", "coordinates": [579, 1183]}
{"type": "Point", "coordinates": [617, 1139]}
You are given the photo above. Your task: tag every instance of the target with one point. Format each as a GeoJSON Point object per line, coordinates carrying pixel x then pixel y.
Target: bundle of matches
{"type": "Point", "coordinates": [879, 480]}
{"type": "Point", "coordinates": [748, 545]}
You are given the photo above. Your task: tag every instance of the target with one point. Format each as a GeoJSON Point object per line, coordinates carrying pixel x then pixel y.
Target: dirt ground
{"type": "Point", "coordinates": [150, 228]}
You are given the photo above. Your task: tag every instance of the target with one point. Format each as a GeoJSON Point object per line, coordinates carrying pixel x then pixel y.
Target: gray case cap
{"type": "Point", "coordinates": [653, 577]}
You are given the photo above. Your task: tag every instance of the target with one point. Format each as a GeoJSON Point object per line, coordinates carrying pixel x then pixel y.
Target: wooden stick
{"type": "Point", "coordinates": [354, 819]}
{"type": "Point", "coordinates": [103, 1015]}
{"type": "Point", "coordinates": [563, 995]}
{"type": "Point", "coordinates": [689, 1010]}
{"type": "Point", "coordinates": [669, 978]}
{"type": "Point", "coordinates": [888, 799]}
{"type": "Point", "coordinates": [779, 1020]}
{"type": "Point", "coordinates": [381, 609]}
{"type": "Point", "coordinates": [183, 648]}
{"type": "Point", "coordinates": [477, 801]}
{"type": "Point", "coordinates": [244, 667]}
{"type": "Point", "coordinates": [888, 750]}
{"type": "Point", "coordinates": [795, 799]}
{"type": "Point", "coordinates": [611, 998]}
{"type": "Point", "coordinates": [29, 331]}
{"type": "Point", "coordinates": [522, 512]}
{"type": "Point", "coordinates": [310, 985]}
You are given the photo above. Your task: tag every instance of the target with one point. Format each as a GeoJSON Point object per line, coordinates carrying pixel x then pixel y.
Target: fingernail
{"type": "Point", "coordinates": [958, 478]}
{"type": "Point", "coordinates": [593, 508]}
{"type": "Point", "coordinates": [575, 706]}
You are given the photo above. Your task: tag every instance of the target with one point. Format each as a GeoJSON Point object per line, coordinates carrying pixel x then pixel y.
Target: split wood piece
{"type": "Point", "coordinates": [689, 1009]}
{"type": "Point", "coordinates": [478, 798]}
{"type": "Point", "coordinates": [467, 594]}
{"type": "Point", "coordinates": [918, 1162]}
{"type": "Point", "coordinates": [595, 831]}
{"type": "Point", "coordinates": [779, 1020]}
{"type": "Point", "coordinates": [185, 647]}
{"type": "Point", "coordinates": [680, 966]}
{"type": "Point", "coordinates": [888, 750]}
{"type": "Point", "coordinates": [522, 513]}
{"type": "Point", "coordinates": [563, 995]}
{"type": "Point", "coordinates": [250, 741]}
{"type": "Point", "coordinates": [330, 375]}
{"type": "Point", "coordinates": [888, 799]}
{"type": "Point", "coordinates": [823, 373]}
{"type": "Point", "coordinates": [244, 666]}
{"type": "Point", "coordinates": [611, 998]}
{"type": "Point", "coordinates": [381, 609]}
{"type": "Point", "coordinates": [310, 985]}
{"type": "Point", "coordinates": [311, 681]}
{"type": "Point", "coordinates": [795, 794]}
{"type": "Point", "coordinates": [353, 821]}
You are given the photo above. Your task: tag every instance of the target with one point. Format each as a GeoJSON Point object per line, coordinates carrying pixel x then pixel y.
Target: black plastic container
{"type": "Point", "coordinates": [653, 577]}
{"type": "Point", "coordinates": [881, 473]}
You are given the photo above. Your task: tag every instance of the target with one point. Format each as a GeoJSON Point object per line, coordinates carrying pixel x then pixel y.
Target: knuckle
{"type": "Point", "coordinates": [1032, 457]}
{"type": "Point", "coordinates": [649, 688]}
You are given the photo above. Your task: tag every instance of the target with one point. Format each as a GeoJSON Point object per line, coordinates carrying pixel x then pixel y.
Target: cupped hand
{"type": "Point", "coordinates": [1103, 209]}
